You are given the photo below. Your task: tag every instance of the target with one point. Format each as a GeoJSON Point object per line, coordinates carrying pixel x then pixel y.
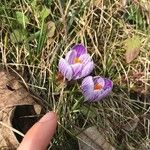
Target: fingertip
{"type": "Point", "coordinates": [48, 116]}
{"type": "Point", "coordinates": [41, 133]}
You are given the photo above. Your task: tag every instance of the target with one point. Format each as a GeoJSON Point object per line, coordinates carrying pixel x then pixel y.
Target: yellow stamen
{"type": "Point", "coordinates": [97, 86]}
{"type": "Point", "coordinates": [77, 60]}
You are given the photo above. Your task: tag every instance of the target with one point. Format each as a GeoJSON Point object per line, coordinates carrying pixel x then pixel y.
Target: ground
{"type": "Point", "coordinates": [34, 34]}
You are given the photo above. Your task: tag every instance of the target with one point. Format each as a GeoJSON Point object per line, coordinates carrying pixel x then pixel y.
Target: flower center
{"type": "Point", "coordinates": [97, 86]}
{"type": "Point", "coordinates": [77, 60]}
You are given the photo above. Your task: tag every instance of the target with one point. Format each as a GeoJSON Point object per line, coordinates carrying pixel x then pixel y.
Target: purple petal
{"type": "Point", "coordinates": [87, 88]}
{"type": "Point", "coordinates": [77, 68]}
{"type": "Point", "coordinates": [88, 82]}
{"type": "Point", "coordinates": [85, 58]}
{"type": "Point", "coordinates": [108, 84]}
{"type": "Point", "coordinates": [65, 69]}
{"type": "Point", "coordinates": [88, 68]}
{"type": "Point", "coordinates": [70, 56]}
{"type": "Point", "coordinates": [95, 96]}
{"type": "Point", "coordinates": [89, 96]}
{"type": "Point", "coordinates": [102, 94]}
{"type": "Point", "coordinates": [100, 80]}
{"type": "Point", "coordinates": [80, 49]}
{"type": "Point", "coordinates": [105, 91]}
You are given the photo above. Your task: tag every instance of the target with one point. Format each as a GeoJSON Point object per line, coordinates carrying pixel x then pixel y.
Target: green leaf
{"type": "Point", "coordinates": [34, 36]}
{"type": "Point", "coordinates": [42, 37]}
{"type": "Point", "coordinates": [18, 35]}
{"type": "Point", "coordinates": [132, 47]}
{"type": "Point", "coordinates": [21, 18]}
{"type": "Point", "coordinates": [44, 13]}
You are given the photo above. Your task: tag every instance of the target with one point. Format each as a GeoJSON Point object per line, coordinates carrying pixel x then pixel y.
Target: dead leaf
{"type": "Point", "coordinates": [132, 124]}
{"type": "Point", "coordinates": [51, 29]}
{"type": "Point", "coordinates": [92, 139]}
{"type": "Point", "coordinates": [17, 110]}
{"type": "Point", "coordinates": [132, 47]}
{"type": "Point", "coordinates": [12, 92]}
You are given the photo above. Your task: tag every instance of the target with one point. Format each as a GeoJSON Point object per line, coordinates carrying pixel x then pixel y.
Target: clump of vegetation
{"type": "Point", "coordinates": [35, 33]}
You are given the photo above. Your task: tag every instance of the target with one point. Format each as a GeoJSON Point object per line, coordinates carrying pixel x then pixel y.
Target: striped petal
{"type": "Point", "coordinates": [90, 93]}
{"type": "Point", "coordinates": [80, 49]}
{"type": "Point", "coordinates": [105, 91]}
{"type": "Point", "coordinates": [108, 84]}
{"type": "Point", "coordinates": [85, 58]}
{"type": "Point", "coordinates": [65, 69]}
{"type": "Point", "coordinates": [100, 80]}
{"type": "Point", "coordinates": [88, 68]}
{"type": "Point", "coordinates": [95, 96]}
{"type": "Point", "coordinates": [77, 68]}
{"type": "Point", "coordinates": [87, 88]}
{"type": "Point", "coordinates": [70, 56]}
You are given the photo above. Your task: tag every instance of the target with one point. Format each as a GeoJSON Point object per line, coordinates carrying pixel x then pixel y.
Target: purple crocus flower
{"type": "Point", "coordinates": [77, 63]}
{"type": "Point", "coordinates": [95, 88]}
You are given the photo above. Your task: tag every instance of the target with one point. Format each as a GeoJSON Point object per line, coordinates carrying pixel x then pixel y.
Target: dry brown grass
{"type": "Point", "coordinates": [103, 27]}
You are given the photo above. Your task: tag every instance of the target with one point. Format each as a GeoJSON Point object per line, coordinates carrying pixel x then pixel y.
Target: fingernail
{"type": "Point", "coordinates": [49, 116]}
